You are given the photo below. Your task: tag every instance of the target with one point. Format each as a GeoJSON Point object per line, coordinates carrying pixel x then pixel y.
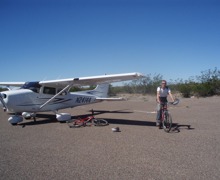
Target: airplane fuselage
{"type": "Point", "coordinates": [25, 100]}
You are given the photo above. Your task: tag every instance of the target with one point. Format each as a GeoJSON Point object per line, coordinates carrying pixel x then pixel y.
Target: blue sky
{"type": "Point", "coordinates": [51, 39]}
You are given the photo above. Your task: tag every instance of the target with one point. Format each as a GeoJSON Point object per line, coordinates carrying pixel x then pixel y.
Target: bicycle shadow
{"type": "Point", "coordinates": [130, 122]}
{"type": "Point", "coordinates": [118, 121]}
{"type": "Point", "coordinates": [176, 127]}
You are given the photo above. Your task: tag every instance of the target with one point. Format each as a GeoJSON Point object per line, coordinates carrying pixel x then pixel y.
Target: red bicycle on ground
{"type": "Point", "coordinates": [87, 121]}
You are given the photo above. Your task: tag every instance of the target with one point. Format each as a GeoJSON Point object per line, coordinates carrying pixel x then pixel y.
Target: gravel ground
{"type": "Point", "coordinates": [48, 149]}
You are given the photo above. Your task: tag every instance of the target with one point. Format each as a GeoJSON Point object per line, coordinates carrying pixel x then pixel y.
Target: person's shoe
{"type": "Point", "coordinates": [157, 124]}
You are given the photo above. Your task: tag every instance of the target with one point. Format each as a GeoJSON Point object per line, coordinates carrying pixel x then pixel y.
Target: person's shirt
{"type": "Point", "coordinates": [163, 92]}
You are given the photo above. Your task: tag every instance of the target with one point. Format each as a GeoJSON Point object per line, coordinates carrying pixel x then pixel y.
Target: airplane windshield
{"type": "Point", "coordinates": [34, 86]}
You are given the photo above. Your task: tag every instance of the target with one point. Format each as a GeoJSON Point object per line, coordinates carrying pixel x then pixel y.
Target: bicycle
{"type": "Point", "coordinates": [166, 118]}
{"type": "Point", "coordinates": [87, 121]}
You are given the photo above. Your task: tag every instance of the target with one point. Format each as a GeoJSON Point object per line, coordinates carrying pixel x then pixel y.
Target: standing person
{"type": "Point", "coordinates": [162, 92]}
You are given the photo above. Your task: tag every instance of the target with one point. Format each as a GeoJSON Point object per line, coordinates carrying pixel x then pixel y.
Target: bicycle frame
{"type": "Point", "coordinates": [85, 120]}
{"type": "Point", "coordinates": [163, 109]}
{"type": "Point", "coordinates": [166, 119]}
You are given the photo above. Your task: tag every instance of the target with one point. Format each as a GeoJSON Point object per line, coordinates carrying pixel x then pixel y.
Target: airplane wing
{"type": "Point", "coordinates": [83, 81]}
{"type": "Point", "coordinates": [93, 80]}
{"type": "Point", "coordinates": [17, 84]}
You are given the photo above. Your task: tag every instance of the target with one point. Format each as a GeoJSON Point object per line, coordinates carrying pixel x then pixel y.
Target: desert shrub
{"type": "Point", "coordinates": [185, 89]}
{"type": "Point", "coordinates": [145, 85]}
{"type": "Point", "coordinates": [209, 83]}
{"type": "Point", "coordinates": [202, 90]}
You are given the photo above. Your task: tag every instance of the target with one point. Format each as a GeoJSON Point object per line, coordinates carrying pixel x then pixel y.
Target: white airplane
{"type": "Point", "coordinates": [43, 96]}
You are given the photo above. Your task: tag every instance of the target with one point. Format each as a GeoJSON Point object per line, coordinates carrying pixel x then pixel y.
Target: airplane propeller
{"type": "Point", "coordinates": [3, 102]}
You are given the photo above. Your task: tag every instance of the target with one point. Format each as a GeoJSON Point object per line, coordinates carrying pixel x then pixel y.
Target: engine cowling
{"type": "Point", "coordinates": [15, 119]}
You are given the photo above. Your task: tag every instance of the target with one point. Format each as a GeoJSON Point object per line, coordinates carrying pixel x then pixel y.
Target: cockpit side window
{"type": "Point", "coordinates": [49, 90]}
{"type": "Point", "coordinates": [63, 93]}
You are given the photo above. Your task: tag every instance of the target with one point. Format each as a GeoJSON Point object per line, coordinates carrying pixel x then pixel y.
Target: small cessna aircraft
{"type": "Point", "coordinates": [43, 96]}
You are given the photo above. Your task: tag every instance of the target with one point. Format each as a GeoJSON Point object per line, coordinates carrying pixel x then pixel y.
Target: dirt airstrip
{"type": "Point", "coordinates": [48, 149]}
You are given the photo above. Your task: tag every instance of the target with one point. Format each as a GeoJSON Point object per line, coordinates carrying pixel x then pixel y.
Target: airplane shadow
{"type": "Point", "coordinates": [97, 112]}
{"type": "Point", "coordinates": [117, 121]}
{"type": "Point", "coordinates": [130, 122]}
{"type": "Point", "coordinates": [51, 118]}
{"type": "Point", "coordinates": [44, 119]}
{"type": "Point", "coordinates": [175, 126]}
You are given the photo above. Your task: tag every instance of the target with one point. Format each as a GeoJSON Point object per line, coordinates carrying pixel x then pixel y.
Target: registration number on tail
{"type": "Point", "coordinates": [83, 99]}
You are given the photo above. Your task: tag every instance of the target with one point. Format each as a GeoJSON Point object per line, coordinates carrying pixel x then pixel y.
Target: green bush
{"type": "Point", "coordinates": [185, 89]}
{"type": "Point", "coordinates": [207, 84]}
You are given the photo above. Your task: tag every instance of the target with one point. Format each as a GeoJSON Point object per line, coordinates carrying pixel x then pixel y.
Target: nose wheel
{"type": "Point", "coordinates": [15, 119]}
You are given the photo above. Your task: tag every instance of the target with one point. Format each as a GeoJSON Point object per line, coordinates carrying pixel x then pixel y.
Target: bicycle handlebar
{"type": "Point", "coordinates": [176, 101]}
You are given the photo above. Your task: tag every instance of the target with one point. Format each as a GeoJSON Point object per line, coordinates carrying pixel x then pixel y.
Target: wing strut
{"type": "Point", "coordinates": [55, 96]}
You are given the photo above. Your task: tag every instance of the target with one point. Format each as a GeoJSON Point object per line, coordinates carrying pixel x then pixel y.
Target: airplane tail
{"type": "Point", "coordinates": [101, 91]}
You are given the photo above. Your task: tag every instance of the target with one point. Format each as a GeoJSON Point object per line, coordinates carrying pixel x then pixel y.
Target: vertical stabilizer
{"type": "Point", "coordinates": [101, 90]}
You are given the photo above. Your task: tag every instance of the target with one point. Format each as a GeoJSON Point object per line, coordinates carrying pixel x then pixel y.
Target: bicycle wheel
{"type": "Point", "coordinates": [75, 123]}
{"type": "Point", "coordinates": [167, 122]}
{"type": "Point", "coordinates": [89, 123]}
{"type": "Point", "coordinates": [100, 122]}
